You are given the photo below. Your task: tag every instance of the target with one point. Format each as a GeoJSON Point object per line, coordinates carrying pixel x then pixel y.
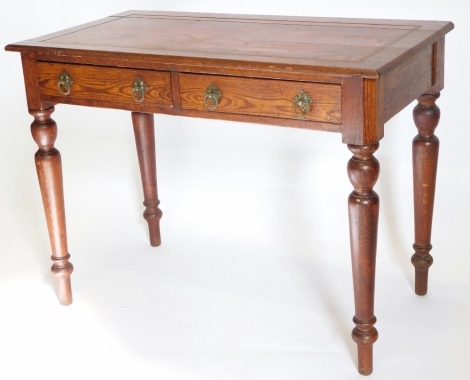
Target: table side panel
{"type": "Point", "coordinates": [405, 82]}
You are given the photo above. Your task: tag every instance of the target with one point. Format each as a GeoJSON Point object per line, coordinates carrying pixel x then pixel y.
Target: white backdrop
{"type": "Point", "coordinates": [252, 280]}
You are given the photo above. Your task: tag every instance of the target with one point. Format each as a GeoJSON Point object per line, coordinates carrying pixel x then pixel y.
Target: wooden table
{"type": "Point", "coordinates": [348, 76]}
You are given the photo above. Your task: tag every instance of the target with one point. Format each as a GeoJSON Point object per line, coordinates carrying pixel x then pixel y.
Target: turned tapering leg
{"type": "Point", "coordinates": [425, 153]}
{"type": "Point", "coordinates": [145, 142]}
{"type": "Point", "coordinates": [49, 169]}
{"type": "Point", "coordinates": [363, 171]}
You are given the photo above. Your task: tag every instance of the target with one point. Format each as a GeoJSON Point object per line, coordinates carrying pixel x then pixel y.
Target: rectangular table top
{"type": "Point", "coordinates": [331, 45]}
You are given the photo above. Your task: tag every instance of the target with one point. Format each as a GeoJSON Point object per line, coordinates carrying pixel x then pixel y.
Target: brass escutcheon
{"type": "Point", "coordinates": [64, 83]}
{"type": "Point", "coordinates": [213, 95]}
{"type": "Point", "coordinates": [302, 102]}
{"type": "Point", "coordinates": [138, 90]}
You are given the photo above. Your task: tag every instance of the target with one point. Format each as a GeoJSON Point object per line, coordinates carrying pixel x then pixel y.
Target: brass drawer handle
{"type": "Point", "coordinates": [138, 90]}
{"type": "Point", "coordinates": [302, 102]}
{"type": "Point", "coordinates": [64, 83]}
{"type": "Point", "coordinates": [213, 96]}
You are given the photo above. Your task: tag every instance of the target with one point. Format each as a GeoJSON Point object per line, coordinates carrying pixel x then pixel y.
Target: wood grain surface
{"type": "Point", "coordinates": [405, 82]}
{"type": "Point", "coordinates": [104, 83]}
{"type": "Point", "coordinates": [49, 171]}
{"type": "Point", "coordinates": [262, 97]}
{"type": "Point", "coordinates": [344, 46]}
{"type": "Point", "coordinates": [425, 149]}
{"type": "Point", "coordinates": [358, 72]}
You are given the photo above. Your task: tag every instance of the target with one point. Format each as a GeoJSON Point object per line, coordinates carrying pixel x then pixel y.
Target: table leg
{"type": "Point", "coordinates": [363, 171]}
{"type": "Point", "coordinates": [145, 142]}
{"type": "Point", "coordinates": [425, 153]}
{"type": "Point", "coordinates": [49, 170]}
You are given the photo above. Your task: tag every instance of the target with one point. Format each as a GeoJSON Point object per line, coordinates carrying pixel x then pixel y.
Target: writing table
{"type": "Point", "coordinates": [348, 76]}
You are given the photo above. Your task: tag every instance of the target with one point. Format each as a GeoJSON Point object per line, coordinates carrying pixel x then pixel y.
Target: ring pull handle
{"type": "Point", "coordinates": [212, 96]}
{"type": "Point", "coordinates": [64, 83]}
{"type": "Point", "coordinates": [138, 90]}
{"type": "Point", "coordinates": [303, 103]}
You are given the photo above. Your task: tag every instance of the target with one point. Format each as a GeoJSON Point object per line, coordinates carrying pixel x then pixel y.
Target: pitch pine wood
{"type": "Point", "coordinates": [349, 46]}
{"type": "Point", "coordinates": [314, 50]}
{"type": "Point", "coordinates": [425, 154]}
{"type": "Point", "coordinates": [419, 75]}
{"type": "Point", "coordinates": [93, 83]}
{"type": "Point", "coordinates": [262, 97]}
{"type": "Point", "coordinates": [358, 72]}
{"type": "Point", "coordinates": [49, 170]}
{"type": "Point", "coordinates": [363, 171]}
{"type": "Point", "coordinates": [145, 142]}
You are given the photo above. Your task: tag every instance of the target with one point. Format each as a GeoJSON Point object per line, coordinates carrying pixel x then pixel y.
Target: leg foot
{"type": "Point", "coordinates": [145, 142]}
{"type": "Point", "coordinates": [363, 171]}
{"type": "Point", "coordinates": [49, 170]}
{"type": "Point", "coordinates": [62, 270]}
{"type": "Point", "coordinates": [425, 154]}
{"type": "Point", "coordinates": [365, 335]}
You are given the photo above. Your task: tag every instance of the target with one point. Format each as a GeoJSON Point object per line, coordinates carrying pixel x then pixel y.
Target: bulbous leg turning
{"type": "Point", "coordinates": [425, 155]}
{"type": "Point", "coordinates": [363, 171]}
{"type": "Point", "coordinates": [49, 170]}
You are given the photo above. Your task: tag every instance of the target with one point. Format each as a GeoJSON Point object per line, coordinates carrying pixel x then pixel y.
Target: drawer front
{"type": "Point", "coordinates": [97, 83]}
{"type": "Point", "coordinates": [262, 97]}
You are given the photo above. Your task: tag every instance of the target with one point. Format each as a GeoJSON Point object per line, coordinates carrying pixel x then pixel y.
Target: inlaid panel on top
{"type": "Point", "coordinates": [351, 46]}
{"type": "Point", "coordinates": [270, 39]}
